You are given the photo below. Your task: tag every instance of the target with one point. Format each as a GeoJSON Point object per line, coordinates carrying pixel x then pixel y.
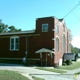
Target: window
{"type": "Point", "coordinates": [14, 43]}
{"type": "Point", "coordinates": [64, 28]}
{"type": "Point", "coordinates": [57, 29]}
{"type": "Point", "coordinates": [69, 47]}
{"type": "Point", "coordinates": [64, 43]}
{"type": "Point", "coordinates": [57, 44]}
{"type": "Point", "coordinates": [44, 27]}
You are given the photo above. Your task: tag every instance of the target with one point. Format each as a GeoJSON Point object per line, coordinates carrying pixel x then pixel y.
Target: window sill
{"type": "Point", "coordinates": [15, 50]}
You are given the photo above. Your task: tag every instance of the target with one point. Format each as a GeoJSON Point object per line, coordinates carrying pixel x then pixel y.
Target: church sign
{"type": "Point", "coordinates": [69, 56]}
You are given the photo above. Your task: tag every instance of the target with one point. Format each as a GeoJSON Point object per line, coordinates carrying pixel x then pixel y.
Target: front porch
{"type": "Point", "coordinates": [46, 57]}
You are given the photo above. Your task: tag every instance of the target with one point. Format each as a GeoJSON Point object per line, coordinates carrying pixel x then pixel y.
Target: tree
{"type": "Point", "coordinates": [74, 49]}
{"type": "Point", "coordinates": [13, 29]}
{"type": "Point", "coordinates": [5, 28]}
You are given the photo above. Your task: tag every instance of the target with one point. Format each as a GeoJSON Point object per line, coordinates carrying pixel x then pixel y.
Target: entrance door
{"type": "Point", "coordinates": [43, 59]}
{"type": "Point", "coordinates": [49, 59]}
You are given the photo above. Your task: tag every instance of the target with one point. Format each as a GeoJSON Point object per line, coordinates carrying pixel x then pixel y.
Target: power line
{"type": "Point", "coordinates": [71, 10]}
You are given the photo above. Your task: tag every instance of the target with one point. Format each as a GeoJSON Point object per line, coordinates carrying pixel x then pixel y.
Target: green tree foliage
{"type": "Point", "coordinates": [5, 28]}
{"type": "Point", "coordinates": [13, 29]}
{"type": "Point", "coordinates": [74, 49]}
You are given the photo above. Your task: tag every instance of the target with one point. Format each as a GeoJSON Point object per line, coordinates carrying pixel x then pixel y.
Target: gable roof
{"type": "Point", "coordinates": [44, 50]}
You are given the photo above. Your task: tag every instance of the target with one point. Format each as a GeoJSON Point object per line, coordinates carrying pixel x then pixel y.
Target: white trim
{"type": "Point", "coordinates": [57, 36]}
{"type": "Point", "coordinates": [57, 46]}
{"type": "Point", "coordinates": [44, 50]}
{"type": "Point", "coordinates": [57, 29]}
{"type": "Point", "coordinates": [51, 55]}
{"type": "Point", "coordinates": [53, 38]}
{"type": "Point", "coordinates": [63, 43]}
{"type": "Point", "coordinates": [45, 29]}
{"type": "Point", "coordinates": [13, 37]}
{"type": "Point", "coordinates": [40, 55]}
{"type": "Point", "coordinates": [53, 29]}
{"type": "Point", "coordinates": [20, 32]}
{"type": "Point", "coordinates": [53, 48]}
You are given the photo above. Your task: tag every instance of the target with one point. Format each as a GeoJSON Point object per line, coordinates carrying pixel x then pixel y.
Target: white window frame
{"type": "Point", "coordinates": [57, 44]}
{"type": "Point", "coordinates": [45, 29]}
{"type": "Point", "coordinates": [53, 29]}
{"type": "Point", "coordinates": [63, 43]}
{"type": "Point", "coordinates": [14, 38]}
{"type": "Point", "coordinates": [57, 29]}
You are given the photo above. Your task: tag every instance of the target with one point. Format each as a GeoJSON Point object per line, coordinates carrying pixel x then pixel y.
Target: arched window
{"type": "Point", "coordinates": [57, 44]}
{"type": "Point", "coordinates": [57, 29]}
{"type": "Point", "coordinates": [64, 43]}
{"type": "Point", "coordinates": [69, 47]}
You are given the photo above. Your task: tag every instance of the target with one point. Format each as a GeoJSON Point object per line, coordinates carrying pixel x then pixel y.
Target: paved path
{"type": "Point", "coordinates": [35, 72]}
{"type": "Point", "coordinates": [73, 71]}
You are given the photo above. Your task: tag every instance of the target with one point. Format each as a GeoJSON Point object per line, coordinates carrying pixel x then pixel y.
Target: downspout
{"type": "Point", "coordinates": [26, 52]}
{"type": "Point", "coordinates": [41, 58]}
{"type": "Point", "coordinates": [46, 58]}
{"type": "Point", "coordinates": [51, 58]}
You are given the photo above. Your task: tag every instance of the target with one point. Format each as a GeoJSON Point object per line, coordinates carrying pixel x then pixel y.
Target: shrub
{"type": "Point", "coordinates": [68, 62]}
{"type": "Point", "coordinates": [64, 64]}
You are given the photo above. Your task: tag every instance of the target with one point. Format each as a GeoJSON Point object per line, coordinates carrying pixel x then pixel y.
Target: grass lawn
{"type": "Point", "coordinates": [51, 70]}
{"type": "Point", "coordinates": [77, 73]}
{"type": "Point", "coordinates": [11, 75]}
{"type": "Point", "coordinates": [73, 66]}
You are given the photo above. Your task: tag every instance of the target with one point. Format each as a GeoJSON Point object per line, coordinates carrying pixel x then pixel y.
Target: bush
{"type": "Point", "coordinates": [68, 62]}
{"type": "Point", "coordinates": [64, 64]}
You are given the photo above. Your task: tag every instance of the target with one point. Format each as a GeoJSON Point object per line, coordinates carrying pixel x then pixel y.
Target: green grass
{"type": "Point", "coordinates": [37, 78]}
{"type": "Point", "coordinates": [52, 70]}
{"type": "Point", "coordinates": [73, 66]}
{"type": "Point", "coordinates": [11, 75]}
{"type": "Point", "coordinates": [77, 73]}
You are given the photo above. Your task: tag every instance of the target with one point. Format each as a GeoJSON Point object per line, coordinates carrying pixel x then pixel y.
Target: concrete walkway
{"type": "Point", "coordinates": [38, 73]}
{"type": "Point", "coordinates": [73, 71]}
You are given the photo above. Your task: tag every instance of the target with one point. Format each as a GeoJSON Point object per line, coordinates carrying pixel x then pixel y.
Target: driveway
{"type": "Point", "coordinates": [35, 72]}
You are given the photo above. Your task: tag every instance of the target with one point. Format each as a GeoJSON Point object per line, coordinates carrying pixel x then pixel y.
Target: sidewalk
{"type": "Point", "coordinates": [40, 73]}
{"type": "Point", "coordinates": [34, 72]}
{"type": "Point", "coordinates": [73, 71]}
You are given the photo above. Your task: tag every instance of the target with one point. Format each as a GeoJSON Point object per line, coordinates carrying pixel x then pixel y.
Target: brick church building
{"type": "Point", "coordinates": [46, 44]}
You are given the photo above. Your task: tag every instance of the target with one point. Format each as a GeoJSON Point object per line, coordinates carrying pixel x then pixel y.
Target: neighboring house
{"type": "Point", "coordinates": [46, 44]}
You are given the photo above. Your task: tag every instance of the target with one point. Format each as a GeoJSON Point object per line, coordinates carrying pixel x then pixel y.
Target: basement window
{"type": "Point", "coordinates": [44, 27]}
{"type": "Point", "coordinates": [14, 43]}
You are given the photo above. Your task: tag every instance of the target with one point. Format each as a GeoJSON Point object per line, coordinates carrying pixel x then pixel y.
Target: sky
{"type": "Point", "coordinates": [23, 14]}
